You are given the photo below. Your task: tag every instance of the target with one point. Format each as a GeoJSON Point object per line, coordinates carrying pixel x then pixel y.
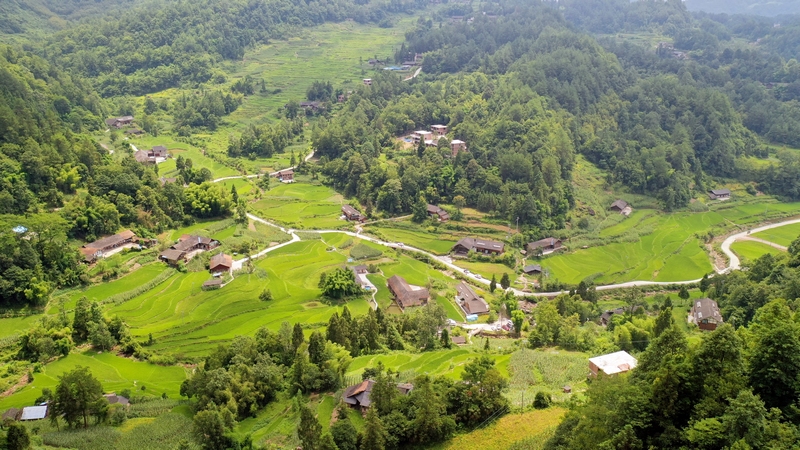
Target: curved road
{"type": "Point", "coordinates": [734, 263]}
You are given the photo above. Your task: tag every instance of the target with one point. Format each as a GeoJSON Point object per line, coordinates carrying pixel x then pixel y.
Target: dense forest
{"type": "Point", "coordinates": [146, 50]}
{"type": "Point", "coordinates": [528, 91]}
{"type": "Point", "coordinates": [738, 388]}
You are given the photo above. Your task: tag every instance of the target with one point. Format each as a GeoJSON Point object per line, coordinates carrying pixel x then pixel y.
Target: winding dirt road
{"type": "Point", "coordinates": [734, 263]}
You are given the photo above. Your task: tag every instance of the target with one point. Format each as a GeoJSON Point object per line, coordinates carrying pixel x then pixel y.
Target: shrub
{"type": "Point", "coordinates": [117, 414]}
{"type": "Point", "coordinates": [542, 400]}
{"type": "Point", "coordinates": [265, 295]}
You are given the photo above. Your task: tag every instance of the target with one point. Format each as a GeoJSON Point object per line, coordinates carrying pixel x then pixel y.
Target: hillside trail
{"type": "Point", "coordinates": [733, 260]}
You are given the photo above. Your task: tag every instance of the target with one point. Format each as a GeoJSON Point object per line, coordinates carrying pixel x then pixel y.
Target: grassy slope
{"type": "Point", "coordinates": [114, 373]}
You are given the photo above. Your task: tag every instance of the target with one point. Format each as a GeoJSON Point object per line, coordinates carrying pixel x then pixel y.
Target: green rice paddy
{"type": "Point", "coordinates": [302, 206]}
{"type": "Point", "coordinates": [114, 372]}
{"type": "Point", "coordinates": [751, 250]}
{"type": "Point", "coordinates": [784, 235]}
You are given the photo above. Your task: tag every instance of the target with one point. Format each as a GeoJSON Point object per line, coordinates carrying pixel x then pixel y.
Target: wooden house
{"type": "Point", "coordinates": [484, 246]}
{"type": "Point", "coordinates": [406, 295]}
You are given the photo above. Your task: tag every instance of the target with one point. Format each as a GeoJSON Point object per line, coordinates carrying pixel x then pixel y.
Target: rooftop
{"type": "Point", "coordinates": [33, 412]}
{"type": "Point", "coordinates": [614, 363]}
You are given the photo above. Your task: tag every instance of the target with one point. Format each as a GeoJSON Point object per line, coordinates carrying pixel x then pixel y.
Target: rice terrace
{"type": "Point", "coordinates": [365, 225]}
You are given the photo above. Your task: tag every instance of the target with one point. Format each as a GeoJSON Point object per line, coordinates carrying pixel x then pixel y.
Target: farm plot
{"type": "Point", "coordinates": [449, 363]}
{"type": "Point", "coordinates": [115, 374]}
{"type": "Point", "coordinates": [177, 148]}
{"type": "Point", "coordinates": [784, 235]}
{"type": "Point", "coordinates": [438, 243]}
{"type": "Point", "coordinates": [531, 428]}
{"type": "Point", "coordinates": [101, 292]}
{"type": "Point", "coordinates": [751, 250]}
{"type": "Point", "coordinates": [186, 320]}
{"type": "Point", "coordinates": [302, 206]}
{"type": "Point", "coordinates": [670, 252]}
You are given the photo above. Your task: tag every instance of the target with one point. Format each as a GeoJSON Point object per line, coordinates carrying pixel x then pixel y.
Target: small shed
{"type": "Point", "coordinates": [212, 284]}
{"type": "Point", "coordinates": [33, 413]}
{"type": "Point", "coordinates": [533, 269]}
{"type": "Point", "coordinates": [618, 206]}
{"type": "Point", "coordinates": [459, 340]}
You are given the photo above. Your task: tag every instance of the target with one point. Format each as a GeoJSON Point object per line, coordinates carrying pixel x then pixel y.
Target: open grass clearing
{"type": "Point", "coordinates": [784, 235]}
{"type": "Point", "coordinates": [449, 363]}
{"type": "Point", "coordinates": [100, 292]}
{"type": "Point", "coordinates": [114, 373]}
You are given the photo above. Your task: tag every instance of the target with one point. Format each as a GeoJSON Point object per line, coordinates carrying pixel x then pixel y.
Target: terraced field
{"type": "Point", "coordinates": [784, 235]}
{"type": "Point", "coordinates": [669, 253]}
{"type": "Point", "coordinates": [302, 206]}
{"type": "Point", "coordinates": [751, 250]}
{"type": "Point", "coordinates": [670, 250]}
{"type": "Point", "coordinates": [115, 373]}
{"type": "Point", "coordinates": [449, 363]}
{"type": "Point", "coordinates": [184, 319]}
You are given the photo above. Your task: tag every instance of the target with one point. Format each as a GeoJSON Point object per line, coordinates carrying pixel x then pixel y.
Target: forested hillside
{"type": "Point", "coordinates": [35, 16]}
{"type": "Point", "coordinates": [538, 92]}
{"type": "Point", "coordinates": [754, 7]}
{"type": "Point", "coordinates": [149, 49]}
{"type": "Point", "coordinates": [48, 160]}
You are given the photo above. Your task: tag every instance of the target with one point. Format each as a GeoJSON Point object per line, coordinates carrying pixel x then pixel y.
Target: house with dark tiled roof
{"type": "Point", "coordinates": [478, 245]}
{"type": "Point", "coordinates": [99, 248]}
{"type": "Point", "coordinates": [548, 245]}
{"type": "Point", "coordinates": [220, 263]}
{"type": "Point", "coordinates": [119, 122]}
{"type": "Point", "coordinates": [185, 248]}
{"type": "Point", "coordinates": [532, 269]}
{"type": "Point", "coordinates": [719, 194]}
{"type": "Point", "coordinates": [358, 396]}
{"type": "Point", "coordinates": [285, 176]}
{"type": "Point", "coordinates": [618, 206]}
{"type": "Point", "coordinates": [438, 213]}
{"type": "Point", "coordinates": [351, 213]}
{"type": "Point", "coordinates": [705, 313]}
{"type": "Point", "coordinates": [405, 294]}
{"type": "Point", "coordinates": [469, 300]}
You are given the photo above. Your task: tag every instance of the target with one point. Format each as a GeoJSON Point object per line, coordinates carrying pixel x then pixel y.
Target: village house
{"type": "Point", "coordinates": [719, 194]}
{"type": "Point", "coordinates": [439, 130]}
{"type": "Point", "coordinates": [622, 207]}
{"type": "Point", "coordinates": [405, 294]}
{"type": "Point", "coordinates": [220, 263]}
{"type": "Point", "coordinates": [438, 213]}
{"type": "Point", "coordinates": [285, 176]}
{"type": "Point", "coordinates": [484, 246]}
{"type": "Point", "coordinates": [165, 180]}
{"type": "Point", "coordinates": [107, 246]}
{"type": "Point", "coordinates": [155, 155]}
{"type": "Point", "coordinates": [547, 245]}
{"type": "Point", "coordinates": [421, 135]}
{"type": "Point", "coordinates": [705, 313]}
{"type": "Point", "coordinates": [119, 122]}
{"type": "Point", "coordinates": [311, 106]}
{"type": "Point", "coordinates": [612, 364]}
{"type": "Point", "coordinates": [533, 269]}
{"type": "Point", "coordinates": [358, 396]}
{"type": "Point", "coordinates": [117, 399]}
{"type": "Point", "coordinates": [134, 132]}
{"type": "Point", "coordinates": [188, 245]}
{"type": "Point", "coordinates": [351, 213]}
{"type": "Point", "coordinates": [431, 143]}
{"type": "Point", "coordinates": [367, 81]}
{"type": "Point", "coordinates": [457, 146]}
{"type": "Point", "coordinates": [360, 270]}
{"type": "Point", "coordinates": [605, 318]}
{"type": "Point", "coordinates": [469, 301]}
{"type": "Point", "coordinates": [459, 340]}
